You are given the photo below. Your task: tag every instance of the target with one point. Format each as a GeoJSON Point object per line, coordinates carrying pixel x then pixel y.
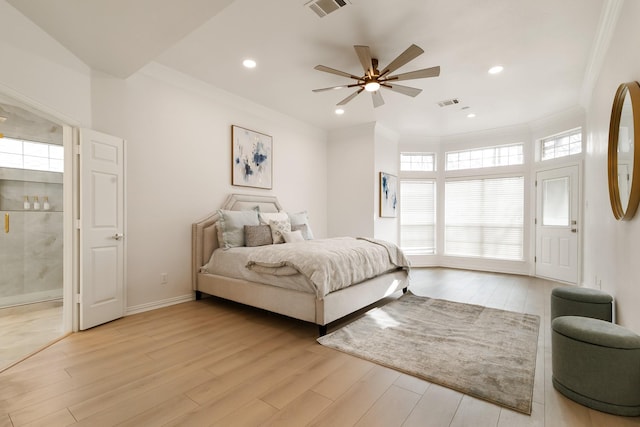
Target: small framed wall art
{"type": "Point", "coordinates": [388, 195]}
{"type": "Point", "coordinates": [252, 158]}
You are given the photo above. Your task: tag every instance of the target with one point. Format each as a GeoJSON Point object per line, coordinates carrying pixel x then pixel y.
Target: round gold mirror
{"type": "Point", "coordinates": [624, 157]}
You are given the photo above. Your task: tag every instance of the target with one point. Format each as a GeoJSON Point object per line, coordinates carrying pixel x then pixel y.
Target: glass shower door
{"type": "Point", "coordinates": [31, 247]}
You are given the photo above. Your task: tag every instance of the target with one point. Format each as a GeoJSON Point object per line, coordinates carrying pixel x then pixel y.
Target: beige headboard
{"type": "Point", "coordinates": [204, 236]}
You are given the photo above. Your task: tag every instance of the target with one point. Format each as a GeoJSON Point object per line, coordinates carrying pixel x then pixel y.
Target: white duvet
{"type": "Point", "coordinates": [329, 264]}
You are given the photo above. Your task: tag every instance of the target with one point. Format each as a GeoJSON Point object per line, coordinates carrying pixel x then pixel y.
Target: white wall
{"type": "Point", "coordinates": [38, 70]}
{"type": "Point", "coordinates": [351, 181]}
{"type": "Point", "coordinates": [178, 133]}
{"type": "Point", "coordinates": [612, 247]}
{"type": "Point", "coordinates": [386, 159]}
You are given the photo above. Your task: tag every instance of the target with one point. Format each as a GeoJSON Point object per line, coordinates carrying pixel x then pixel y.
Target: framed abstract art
{"type": "Point", "coordinates": [252, 158]}
{"type": "Point", "coordinates": [388, 195]}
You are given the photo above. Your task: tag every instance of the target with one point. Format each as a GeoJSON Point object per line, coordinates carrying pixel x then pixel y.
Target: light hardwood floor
{"type": "Point", "coordinates": [27, 328]}
{"type": "Point", "coordinates": [212, 362]}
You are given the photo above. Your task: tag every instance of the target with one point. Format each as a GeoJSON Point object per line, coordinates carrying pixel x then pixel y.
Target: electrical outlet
{"type": "Point", "coordinates": [164, 278]}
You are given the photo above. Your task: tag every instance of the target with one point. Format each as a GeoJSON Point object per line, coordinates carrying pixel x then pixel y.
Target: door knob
{"type": "Point", "coordinates": [118, 236]}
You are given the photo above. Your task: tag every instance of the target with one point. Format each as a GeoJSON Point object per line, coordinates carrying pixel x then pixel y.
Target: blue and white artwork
{"type": "Point", "coordinates": [388, 195]}
{"type": "Point", "coordinates": [252, 158]}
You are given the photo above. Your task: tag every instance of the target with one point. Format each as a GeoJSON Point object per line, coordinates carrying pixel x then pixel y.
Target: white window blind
{"type": "Point", "coordinates": [485, 218]}
{"type": "Point", "coordinates": [417, 216]}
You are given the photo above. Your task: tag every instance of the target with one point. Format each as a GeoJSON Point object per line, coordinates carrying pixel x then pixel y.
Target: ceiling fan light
{"type": "Point", "coordinates": [372, 86]}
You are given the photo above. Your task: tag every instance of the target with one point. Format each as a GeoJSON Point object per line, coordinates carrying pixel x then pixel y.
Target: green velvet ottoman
{"type": "Point", "coordinates": [577, 301]}
{"type": "Point", "coordinates": [597, 364]}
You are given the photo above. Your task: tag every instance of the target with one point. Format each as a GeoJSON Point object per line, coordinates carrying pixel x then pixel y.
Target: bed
{"type": "Point", "coordinates": [317, 307]}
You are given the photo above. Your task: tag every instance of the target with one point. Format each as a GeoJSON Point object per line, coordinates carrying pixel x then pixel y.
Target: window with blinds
{"type": "Point", "coordinates": [418, 216]}
{"type": "Point", "coordinates": [485, 218]}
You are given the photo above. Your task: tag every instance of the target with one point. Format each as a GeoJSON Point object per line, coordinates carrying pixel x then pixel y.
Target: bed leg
{"type": "Point", "coordinates": [404, 290]}
{"type": "Point", "coordinates": [322, 330]}
{"type": "Point", "coordinates": [198, 295]}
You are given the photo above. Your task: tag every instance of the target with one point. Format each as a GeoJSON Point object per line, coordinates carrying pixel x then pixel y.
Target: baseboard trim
{"type": "Point", "coordinates": [158, 304]}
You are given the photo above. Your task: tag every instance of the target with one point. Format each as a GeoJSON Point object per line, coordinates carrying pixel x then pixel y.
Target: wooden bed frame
{"type": "Point", "coordinates": [292, 303]}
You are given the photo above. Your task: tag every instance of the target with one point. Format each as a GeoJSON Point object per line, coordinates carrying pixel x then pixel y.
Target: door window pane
{"type": "Point", "coordinates": [555, 201]}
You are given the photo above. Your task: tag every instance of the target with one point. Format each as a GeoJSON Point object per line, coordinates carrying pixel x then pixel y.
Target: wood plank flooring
{"type": "Point", "coordinates": [27, 328]}
{"type": "Point", "coordinates": [213, 362]}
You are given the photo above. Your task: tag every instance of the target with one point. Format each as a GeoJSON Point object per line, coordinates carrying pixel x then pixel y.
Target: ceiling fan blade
{"type": "Point", "coordinates": [364, 55]}
{"type": "Point", "coordinates": [405, 90]}
{"type": "Point", "coordinates": [334, 88]}
{"type": "Point", "coordinates": [334, 71]}
{"type": "Point", "coordinates": [350, 97]}
{"type": "Point", "coordinates": [377, 99]}
{"type": "Point", "coordinates": [418, 74]}
{"type": "Point", "coordinates": [412, 52]}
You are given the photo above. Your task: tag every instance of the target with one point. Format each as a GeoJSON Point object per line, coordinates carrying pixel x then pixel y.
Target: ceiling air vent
{"type": "Point", "coordinates": [324, 7]}
{"type": "Point", "coordinates": [447, 102]}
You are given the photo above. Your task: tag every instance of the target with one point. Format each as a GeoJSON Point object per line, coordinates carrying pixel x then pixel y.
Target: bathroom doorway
{"type": "Point", "coordinates": [32, 213]}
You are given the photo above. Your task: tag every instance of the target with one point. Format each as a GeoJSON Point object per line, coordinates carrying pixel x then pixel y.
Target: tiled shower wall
{"type": "Point", "coordinates": [31, 247]}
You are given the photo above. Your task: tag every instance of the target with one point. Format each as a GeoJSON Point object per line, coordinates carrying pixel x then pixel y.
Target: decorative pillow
{"type": "Point", "coordinates": [301, 218]}
{"type": "Point", "coordinates": [232, 226]}
{"type": "Point", "coordinates": [265, 217]}
{"type": "Point", "coordinates": [304, 230]}
{"type": "Point", "coordinates": [257, 235]}
{"type": "Point", "coordinates": [292, 236]}
{"type": "Point", "coordinates": [277, 228]}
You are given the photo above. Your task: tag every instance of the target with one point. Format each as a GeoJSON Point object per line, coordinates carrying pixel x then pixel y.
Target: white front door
{"type": "Point", "coordinates": [102, 228]}
{"type": "Point", "coordinates": [557, 204]}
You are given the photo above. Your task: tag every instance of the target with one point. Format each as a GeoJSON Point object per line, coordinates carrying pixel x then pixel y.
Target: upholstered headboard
{"type": "Point", "coordinates": [204, 236]}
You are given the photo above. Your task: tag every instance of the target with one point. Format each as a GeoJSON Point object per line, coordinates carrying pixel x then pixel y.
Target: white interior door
{"type": "Point", "coordinates": [557, 204]}
{"type": "Point", "coordinates": [102, 228]}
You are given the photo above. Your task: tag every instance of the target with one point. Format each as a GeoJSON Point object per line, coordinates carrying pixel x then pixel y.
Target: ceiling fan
{"type": "Point", "coordinates": [374, 79]}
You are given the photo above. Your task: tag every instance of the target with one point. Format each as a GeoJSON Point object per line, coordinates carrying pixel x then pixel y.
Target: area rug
{"type": "Point", "coordinates": [483, 352]}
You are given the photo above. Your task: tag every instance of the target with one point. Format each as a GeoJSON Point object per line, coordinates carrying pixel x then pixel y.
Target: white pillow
{"type": "Point", "coordinates": [292, 236]}
{"type": "Point", "coordinates": [278, 228]}
{"type": "Point", "coordinates": [301, 218]}
{"type": "Point", "coordinates": [265, 217]}
{"type": "Point", "coordinates": [232, 226]}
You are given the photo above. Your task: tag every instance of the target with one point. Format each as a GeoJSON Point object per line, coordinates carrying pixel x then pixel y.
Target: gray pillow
{"type": "Point", "coordinates": [257, 235]}
{"type": "Point", "coordinates": [232, 226]}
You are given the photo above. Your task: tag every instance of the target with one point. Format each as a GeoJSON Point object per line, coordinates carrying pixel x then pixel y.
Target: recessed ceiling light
{"type": "Point", "coordinates": [3, 119]}
{"type": "Point", "coordinates": [496, 69]}
{"type": "Point", "coordinates": [471, 115]}
{"type": "Point", "coordinates": [249, 63]}
{"type": "Point", "coordinates": [339, 111]}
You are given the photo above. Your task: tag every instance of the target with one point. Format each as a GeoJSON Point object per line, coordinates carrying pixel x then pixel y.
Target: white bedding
{"type": "Point", "coordinates": [317, 266]}
{"type": "Point", "coordinates": [232, 263]}
{"type": "Point", "coordinates": [330, 264]}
